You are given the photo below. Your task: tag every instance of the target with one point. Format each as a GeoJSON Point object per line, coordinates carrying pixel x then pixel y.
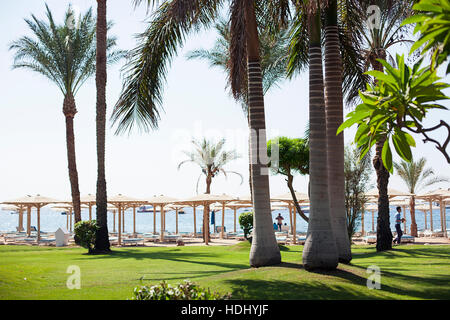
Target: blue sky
{"type": "Point", "coordinates": [32, 128]}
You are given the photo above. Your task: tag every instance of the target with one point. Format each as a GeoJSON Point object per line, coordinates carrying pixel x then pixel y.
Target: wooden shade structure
{"type": "Point", "coordinates": [68, 209]}
{"type": "Point", "coordinates": [205, 200]}
{"type": "Point", "coordinates": [372, 208]}
{"type": "Point", "coordinates": [176, 208]}
{"type": "Point", "coordinates": [90, 200]}
{"type": "Point", "coordinates": [287, 198]}
{"type": "Point", "coordinates": [392, 193]}
{"type": "Point", "coordinates": [122, 203]}
{"type": "Point", "coordinates": [234, 206]}
{"type": "Point", "coordinates": [37, 202]}
{"type": "Point", "coordinates": [20, 210]}
{"type": "Point", "coordinates": [160, 201]}
{"type": "Point", "coordinates": [441, 196]}
{"type": "Point", "coordinates": [404, 204]}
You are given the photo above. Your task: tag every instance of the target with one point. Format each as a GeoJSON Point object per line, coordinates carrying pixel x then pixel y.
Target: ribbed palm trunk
{"type": "Point", "coordinates": [69, 110]}
{"type": "Point", "coordinates": [102, 241]}
{"type": "Point", "coordinates": [412, 210]}
{"type": "Point", "coordinates": [206, 236]}
{"type": "Point", "coordinates": [335, 144]}
{"type": "Point", "coordinates": [320, 250]}
{"type": "Point", "coordinates": [264, 250]}
{"type": "Point", "coordinates": [384, 234]}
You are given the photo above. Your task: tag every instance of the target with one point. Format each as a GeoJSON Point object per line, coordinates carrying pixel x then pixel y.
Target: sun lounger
{"type": "Point", "coordinates": [406, 238]}
{"type": "Point", "coordinates": [133, 240]}
{"type": "Point", "coordinates": [370, 239]}
{"type": "Point", "coordinates": [427, 233]}
{"type": "Point", "coordinates": [47, 241]}
{"type": "Point", "coordinates": [172, 237]}
{"type": "Point", "coordinates": [282, 239]}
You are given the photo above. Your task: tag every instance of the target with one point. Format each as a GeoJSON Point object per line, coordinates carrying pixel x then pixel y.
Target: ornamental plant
{"type": "Point", "coordinates": [246, 223]}
{"type": "Point", "coordinates": [182, 291]}
{"type": "Point", "coordinates": [85, 234]}
{"type": "Point", "coordinates": [396, 106]}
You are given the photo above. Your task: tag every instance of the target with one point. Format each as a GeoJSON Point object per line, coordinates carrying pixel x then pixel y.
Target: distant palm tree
{"type": "Point", "coordinates": [211, 158]}
{"type": "Point", "coordinates": [416, 177]}
{"type": "Point", "coordinates": [65, 54]}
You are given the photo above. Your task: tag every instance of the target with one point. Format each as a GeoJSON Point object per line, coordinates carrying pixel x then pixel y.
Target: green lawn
{"type": "Point", "coordinates": [408, 272]}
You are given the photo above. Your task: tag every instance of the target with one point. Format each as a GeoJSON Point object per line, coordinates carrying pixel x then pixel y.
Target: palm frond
{"type": "Point", "coordinates": [140, 102]}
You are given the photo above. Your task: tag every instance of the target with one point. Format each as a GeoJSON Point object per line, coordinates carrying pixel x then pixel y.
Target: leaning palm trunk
{"type": "Point", "coordinates": [264, 250]}
{"type": "Point", "coordinates": [320, 251]}
{"type": "Point", "coordinates": [102, 239]}
{"type": "Point", "coordinates": [384, 234]}
{"type": "Point", "coordinates": [335, 144]}
{"type": "Point", "coordinates": [69, 110]}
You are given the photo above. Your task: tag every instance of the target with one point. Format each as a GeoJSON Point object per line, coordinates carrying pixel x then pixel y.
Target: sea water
{"type": "Point", "coordinates": [51, 220]}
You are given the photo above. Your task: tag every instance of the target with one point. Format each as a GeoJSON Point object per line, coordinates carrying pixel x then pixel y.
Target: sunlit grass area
{"type": "Point", "coordinates": [407, 272]}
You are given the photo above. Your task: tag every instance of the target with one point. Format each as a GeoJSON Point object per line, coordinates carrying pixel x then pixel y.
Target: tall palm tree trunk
{"type": "Point", "coordinates": [102, 240]}
{"type": "Point", "coordinates": [384, 234]}
{"type": "Point", "coordinates": [69, 110]}
{"type": "Point", "coordinates": [264, 250]}
{"type": "Point", "coordinates": [320, 250]}
{"type": "Point", "coordinates": [335, 144]}
{"type": "Point", "coordinates": [206, 236]}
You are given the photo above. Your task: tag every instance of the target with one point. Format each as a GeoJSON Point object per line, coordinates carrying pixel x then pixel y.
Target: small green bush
{"type": "Point", "coordinates": [246, 223]}
{"type": "Point", "coordinates": [85, 232]}
{"type": "Point", "coordinates": [183, 291]}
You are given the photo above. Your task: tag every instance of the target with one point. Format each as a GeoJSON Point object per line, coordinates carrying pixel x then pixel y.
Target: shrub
{"type": "Point", "coordinates": [246, 222]}
{"type": "Point", "coordinates": [85, 232]}
{"type": "Point", "coordinates": [183, 291]}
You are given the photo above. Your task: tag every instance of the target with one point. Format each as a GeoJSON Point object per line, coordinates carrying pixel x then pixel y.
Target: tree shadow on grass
{"type": "Point", "coordinates": [175, 255]}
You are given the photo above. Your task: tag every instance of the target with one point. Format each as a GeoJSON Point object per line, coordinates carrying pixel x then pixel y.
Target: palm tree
{"type": "Point", "coordinates": [141, 98]}
{"type": "Point", "coordinates": [416, 177]}
{"type": "Point", "coordinates": [335, 143]}
{"type": "Point", "coordinates": [320, 251]}
{"type": "Point", "coordinates": [102, 238]}
{"type": "Point", "coordinates": [211, 158]}
{"type": "Point", "coordinates": [273, 60]}
{"type": "Point", "coordinates": [65, 54]}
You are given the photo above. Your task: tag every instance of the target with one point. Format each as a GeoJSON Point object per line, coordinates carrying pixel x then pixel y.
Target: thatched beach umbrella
{"type": "Point", "coordinates": [68, 209]}
{"type": "Point", "coordinates": [440, 196]}
{"type": "Point", "coordinates": [235, 205]}
{"type": "Point", "coordinates": [372, 208]}
{"type": "Point", "coordinates": [122, 203]}
{"type": "Point", "coordinates": [404, 204]}
{"type": "Point", "coordinates": [160, 201]}
{"type": "Point", "coordinates": [37, 202]}
{"type": "Point", "coordinates": [90, 200]}
{"type": "Point", "coordinates": [287, 197]}
{"type": "Point", "coordinates": [176, 208]}
{"type": "Point", "coordinates": [205, 200]}
{"type": "Point", "coordinates": [424, 207]}
{"type": "Point", "coordinates": [392, 193]}
{"type": "Point", "coordinates": [19, 209]}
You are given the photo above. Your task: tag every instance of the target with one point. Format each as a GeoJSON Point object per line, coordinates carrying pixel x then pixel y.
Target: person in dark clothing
{"type": "Point", "coordinates": [398, 221]}
{"type": "Point", "coordinates": [280, 221]}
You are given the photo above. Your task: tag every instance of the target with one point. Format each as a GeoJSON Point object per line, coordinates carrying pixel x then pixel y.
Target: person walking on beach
{"type": "Point", "coordinates": [398, 221]}
{"type": "Point", "coordinates": [280, 221]}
